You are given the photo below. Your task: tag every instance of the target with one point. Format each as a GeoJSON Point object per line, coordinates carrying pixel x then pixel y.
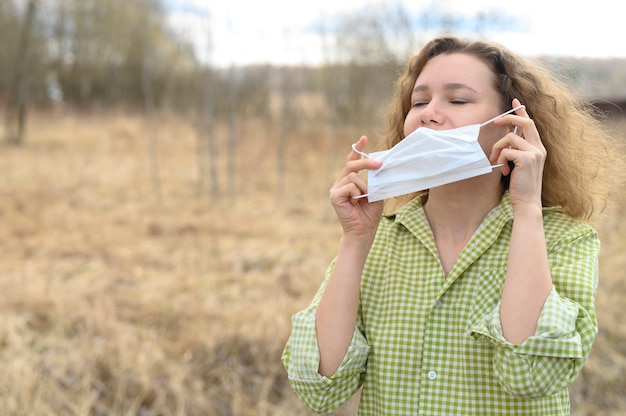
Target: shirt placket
{"type": "Point", "coordinates": [437, 361]}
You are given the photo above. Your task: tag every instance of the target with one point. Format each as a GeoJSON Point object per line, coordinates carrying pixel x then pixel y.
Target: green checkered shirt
{"type": "Point", "coordinates": [432, 345]}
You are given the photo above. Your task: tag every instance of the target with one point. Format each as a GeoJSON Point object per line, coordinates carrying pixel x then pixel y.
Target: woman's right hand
{"type": "Point", "coordinates": [358, 217]}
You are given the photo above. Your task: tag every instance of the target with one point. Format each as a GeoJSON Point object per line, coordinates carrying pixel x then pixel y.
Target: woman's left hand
{"type": "Point", "coordinates": [524, 148]}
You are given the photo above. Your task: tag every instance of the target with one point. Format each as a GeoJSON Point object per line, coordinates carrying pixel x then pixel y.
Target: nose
{"type": "Point", "coordinates": [430, 115]}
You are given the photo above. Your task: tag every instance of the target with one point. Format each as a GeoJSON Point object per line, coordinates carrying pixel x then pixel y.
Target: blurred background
{"type": "Point", "coordinates": [164, 169]}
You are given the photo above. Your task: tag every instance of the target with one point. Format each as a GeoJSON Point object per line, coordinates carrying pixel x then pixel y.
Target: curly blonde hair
{"type": "Point", "coordinates": [579, 148]}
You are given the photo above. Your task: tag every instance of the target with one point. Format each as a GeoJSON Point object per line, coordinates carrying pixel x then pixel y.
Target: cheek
{"type": "Point", "coordinates": [411, 122]}
{"type": "Point", "coordinates": [486, 143]}
{"type": "Point", "coordinates": [489, 135]}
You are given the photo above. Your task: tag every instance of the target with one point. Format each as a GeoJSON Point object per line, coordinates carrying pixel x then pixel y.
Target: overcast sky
{"type": "Point", "coordinates": [277, 31]}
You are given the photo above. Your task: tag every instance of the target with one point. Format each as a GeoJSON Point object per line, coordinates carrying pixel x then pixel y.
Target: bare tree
{"type": "Point", "coordinates": [232, 134]}
{"type": "Point", "coordinates": [10, 23]}
{"type": "Point", "coordinates": [212, 147]}
{"type": "Point", "coordinates": [147, 64]}
{"type": "Point", "coordinates": [15, 116]}
{"type": "Point", "coordinates": [284, 120]}
{"type": "Point", "coordinates": [207, 153]}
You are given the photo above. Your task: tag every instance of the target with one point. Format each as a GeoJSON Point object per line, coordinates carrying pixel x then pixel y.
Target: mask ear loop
{"type": "Point", "coordinates": [503, 114]}
{"type": "Point", "coordinates": [363, 156]}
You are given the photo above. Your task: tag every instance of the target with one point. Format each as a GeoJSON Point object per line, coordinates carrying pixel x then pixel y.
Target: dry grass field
{"type": "Point", "coordinates": [118, 297]}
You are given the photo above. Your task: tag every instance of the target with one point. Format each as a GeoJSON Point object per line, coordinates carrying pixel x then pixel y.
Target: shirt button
{"type": "Point", "coordinates": [438, 303]}
{"type": "Point", "coordinates": [432, 375]}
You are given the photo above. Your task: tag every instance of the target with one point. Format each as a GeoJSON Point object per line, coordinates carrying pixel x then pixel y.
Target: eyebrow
{"type": "Point", "coordinates": [449, 87]}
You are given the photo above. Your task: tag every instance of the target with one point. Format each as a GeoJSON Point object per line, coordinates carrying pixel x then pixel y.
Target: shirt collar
{"type": "Point", "coordinates": [504, 208]}
{"type": "Point", "coordinates": [413, 218]}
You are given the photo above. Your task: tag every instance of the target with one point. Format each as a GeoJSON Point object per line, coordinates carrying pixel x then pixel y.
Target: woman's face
{"type": "Point", "coordinates": [455, 90]}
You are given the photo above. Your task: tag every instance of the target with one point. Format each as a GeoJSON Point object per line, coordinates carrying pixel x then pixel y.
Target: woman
{"type": "Point", "coordinates": [474, 297]}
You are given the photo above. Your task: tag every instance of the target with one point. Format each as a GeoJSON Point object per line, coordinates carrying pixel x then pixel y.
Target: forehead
{"type": "Point", "coordinates": [456, 68]}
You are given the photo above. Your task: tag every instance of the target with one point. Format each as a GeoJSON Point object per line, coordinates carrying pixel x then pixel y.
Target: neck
{"type": "Point", "coordinates": [456, 210]}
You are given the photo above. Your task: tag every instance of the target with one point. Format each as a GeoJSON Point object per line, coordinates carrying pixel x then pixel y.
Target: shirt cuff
{"type": "Point", "coordinates": [303, 356]}
{"type": "Point", "coordinates": [556, 334]}
{"type": "Point", "coordinates": [301, 359]}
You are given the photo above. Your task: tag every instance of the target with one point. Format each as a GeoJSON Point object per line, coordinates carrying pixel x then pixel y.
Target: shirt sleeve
{"type": "Point", "coordinates": [551, 359]}
{"type": "Point", "coordinates": [301, 358]}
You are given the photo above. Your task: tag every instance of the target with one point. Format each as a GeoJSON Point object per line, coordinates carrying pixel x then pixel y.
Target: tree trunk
{"type": "Point", "coordinates": [149, 105]}
{"type": "Point", "coordinates": [16, 109]}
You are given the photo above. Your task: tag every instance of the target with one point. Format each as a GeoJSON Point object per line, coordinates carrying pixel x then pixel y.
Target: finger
{"type": "Point", "coordinates": [507, 142]}
{"type": "Point", "coordinates": [520, 111]}
{"type": "Point", "coordinates": [516, 103]}
{"type": "Point", "coordinates": [353, 166]}
{"type": "Point", "coordinates": [358, 154]}
{"type": "Point", "coordinates": [346, 192]}
{"type": "Point", "coordinates": [352, 178]}
{"type": "Point", "coordinates": [497, 148]}
{"type": "Point", "coordinates": [510, 141]}
{"type": "Point", "coordinates": [523, 127]}
{"type": "Point", "coordinates": [355, 160]}
{"type": "Point", "coordinates": [507, 158]}
{"type": "Point", "coordinates": [529, 129]}
{"type": "Point", "coordinates": [360, 146]}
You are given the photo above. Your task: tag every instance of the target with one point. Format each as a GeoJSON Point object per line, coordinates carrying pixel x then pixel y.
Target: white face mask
{"type": "Point", "coordinates": [428, 158]}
